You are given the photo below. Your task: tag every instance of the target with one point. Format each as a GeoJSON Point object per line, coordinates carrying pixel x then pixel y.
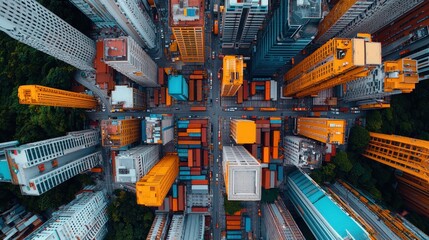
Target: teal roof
{"type": "Point", "coordinates": [177, 87]}
{"type": "Point", "coordinates": [4, 171]}
{"type": "Point", "coordinates": [343, 224]}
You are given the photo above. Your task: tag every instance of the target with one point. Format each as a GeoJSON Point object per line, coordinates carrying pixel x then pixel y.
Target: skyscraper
{"type": "Point", "coordinates": [302, 152]}
{"type": "Point", "coordinates": [241, 21]}
{"type": "Point", "coordinates": [323, 216]}
{"type": "Point", "coordinates": [242, 174]}
{"type": "Point", "coordinates": [133, 164]}
{"type": "Point", "coordinates": [127, 57]}
{"type": "Point", "coordinates": [187, 24]}
{"type": "Point", "coordinates": [46, 96]}
{"type": "Point", "coordinates": [324, 130]}
{"type": "Point", "coordinates": [291, 28]}
{"type": "Point", "coordinates": [279, 223]}
{"type": "Point", "coordinates": [233, 75]}
{"type": "Point", "coordinates": [154, 186]}
{"type": "Point", "coordinates": [406, 154]}
{"type": "Point", "coordinates": [129, 15]}
{"type": "Point", "coordinates": [83, 218]}
{"type": "Point", "coordinates": [120, 133]}
{"type": "Point", "coordinates": [95, 11]}
{"type": "Point", "coordinates": [29, 22]}
{"type": "Point", "coordinates": [37, 167]}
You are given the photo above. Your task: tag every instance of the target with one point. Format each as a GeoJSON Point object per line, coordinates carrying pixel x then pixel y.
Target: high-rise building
{"type": "Point", "coordinates": [127, 57]}
{"type": "Point", "coordinates": [194, 227]}
{"type": "Point", "coordinates": [178, 87]}
{"type": "Point", "coordinates": [129, 15]}
{"type": "Point", "coordinates": [133, 164]}
{"type": "Point", "coordinates": [324, 130]}
{"type": "Point", "coordinates": [177, 227]}
{"type": "Point", "coordinates": [242, 174]}
{"type": "Point", "coordinates": [154, 186]}
{"type": "Point", "coordinates": [128, 98]}
{"type": "Point", "coordinates": [46, 96]}
{"type": "Point", "coordinates": [394, 77]}
{"type": "Point", "coordinates": [279, 223]}
{"type": "Point", "coordinates": [37, 167]}
{"type": "Point", "coordinates": [158, 129]}
{"type": "Point", "coordinates": [414, 193]}
{"type": "Point", "coordinates": [187, 23]}
{"type": "Point", "coordinates": [159, 228]}
{"type": "Point", "coordinates": [95, 11]}
{"type": "Point", "coordinates": [291, 28]}
{"type": "Point", "coordinates": [29, 22]}
{"type": "Point", "coordinates": [241, 21]}
{"type": "Point", "coordinates": [83, 218]}
{"type": "Point", "coordinates": [232, 77]}
{"type": "Point", "coordinates": [302, 152]}
{"type": "Point", "coordinates": [5, 175]}
{"type": "Point", "coordinates": [323, 216]}
{"type": "Point", "coordinates": [17, 223]}
{"type": "Point", "coordinates": [120, 133]}
{"type": "Point", "coordinates": [406, 154]}
{"type": "Point", "coordinates": [243, 131]}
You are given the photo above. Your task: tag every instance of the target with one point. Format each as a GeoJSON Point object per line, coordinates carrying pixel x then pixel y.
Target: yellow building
{"type": "Point", "coordinates": [409, 155]}
{"type": "Point", "coordinates": [118, 133]}
{"type": "Point", "coordinates": [243, 131]}
{"type": "Point", "coordinates": [187, 25]}
{"type": "Point", "coordinates": [322, 129]}
{"type": "Point", "coordinates": [152, 188]}
{"type": "Point", "coordinates": [46, 96]}
{"type": "Point", "coordinates": [232, 77]}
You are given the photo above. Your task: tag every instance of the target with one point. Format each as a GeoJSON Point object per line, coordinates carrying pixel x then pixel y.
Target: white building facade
{"type": "Point", "coordinates": [29, 22]}
{"type": "Point", "coordinates": [95, 11]}
{"type": "Point", "coordinates": [127, 57]}
{"type": "Point", "coordinates": [40, 166]}
{"type": "Point", "coordinates": [302, 152]}
{"type": "Point", "coordinates": [132, 98]}
{"type": "Point", "coordinates": [242, 174]}
{"type": "Point", "coordinates": [135, 163]}
{"type": "Point", "coordinates": [83, 218]}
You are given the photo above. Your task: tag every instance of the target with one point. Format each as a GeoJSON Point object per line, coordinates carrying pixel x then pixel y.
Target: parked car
{"type": "Point", "coordinates": [213, 55]}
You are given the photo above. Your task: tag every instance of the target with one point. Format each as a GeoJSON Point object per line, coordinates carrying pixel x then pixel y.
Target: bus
{"type": "Point", "coordinates": [215, 27]}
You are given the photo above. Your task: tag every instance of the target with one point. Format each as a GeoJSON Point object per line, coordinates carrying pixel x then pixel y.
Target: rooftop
{"type": "Point", "coordinates": [115, 49]}
{"type": "Point", "coordinates": [186, 13]}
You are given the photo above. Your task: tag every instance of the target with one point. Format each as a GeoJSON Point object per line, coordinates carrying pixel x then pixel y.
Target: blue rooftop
{"type": "Point", "coordinates": [4, 171]}
{"type": "Point", "coordinates": [324, 217]}
{"type": "Point", "coordinates": [177, 87]}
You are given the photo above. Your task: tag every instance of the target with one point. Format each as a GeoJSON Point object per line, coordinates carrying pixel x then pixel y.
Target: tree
{"type": "Point", "coordinates": [328, 172]}
{"type": "Point", "coordinates": [358, 139]}
{"type": "Point", "coordinates": [231, 207]}
{"type": "Point", "coordinates": [317, 176]}
{"type": "Point", "coordinates": [374, 121]}
{"type": "Point", "coordinates": [342, 162]}
{"type": "Point", "coordinates": [270, 195]}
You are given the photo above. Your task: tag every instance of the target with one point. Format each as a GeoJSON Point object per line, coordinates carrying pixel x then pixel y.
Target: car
{"type": "Point", "coordinates": [217, 225]}
{"type": "Point", "coordinates": [356, 111]}
{"type": "Point", "coordinates": [177, 108]}
{"type": "Point", "coordinates": [217, 99]}
{"type": "Point", "coordinates": [213, 55]}
{"type": "Point", "coordinates": [336, 113]}
{"type": "Point", "coordinates": [217, 160]}
{"type": "Point", "coordinates": [218, 75]}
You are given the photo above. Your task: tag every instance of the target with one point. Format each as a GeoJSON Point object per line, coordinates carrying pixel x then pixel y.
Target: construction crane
{"type": "Point", "coordinates": [338, 61]}
{"type": "Point", "coordinates": [394, 223]}
{"type": "Point", "coordinates": [46, 96]}
{"type": "Point", "coordinates": [393, 77]}
{"type": "Point", "coordinates": [349, 17]}
{"type": "Point", "coordinates": [406, 154]}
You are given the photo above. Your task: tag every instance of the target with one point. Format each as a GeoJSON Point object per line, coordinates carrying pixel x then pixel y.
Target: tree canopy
{"type": "Point", "coordinates": [127, 220]}
{"type": "Point", "coordinates": [358, 139]}
{"type": "Point", "coordinates": [231, 207]}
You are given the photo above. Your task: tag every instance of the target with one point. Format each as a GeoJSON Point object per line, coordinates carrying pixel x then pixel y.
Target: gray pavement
{"type": "Point", "coordinates": [217, 116]}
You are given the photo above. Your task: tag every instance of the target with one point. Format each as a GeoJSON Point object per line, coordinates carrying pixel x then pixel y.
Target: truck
{"type": "Point", "coordinates": [216, 27]}
{"type": "Point", "coordinates": [215, 9]}
{"type": "Point", "coordinates": [271, 109]}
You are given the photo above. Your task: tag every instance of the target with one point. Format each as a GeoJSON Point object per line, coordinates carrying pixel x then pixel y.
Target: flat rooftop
{"type": "Point", "coordinates": [115, 49]}
{"type": "Point", "coordinates": [189, 14]}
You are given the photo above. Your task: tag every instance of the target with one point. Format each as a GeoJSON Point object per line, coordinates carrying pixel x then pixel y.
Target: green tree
{"type": "Point", "coordinates": [231, 206]}
{"type": "Point", "coordinates": [328, 172]}
{"type": "Point", "coordinates": [374, 121]}
{"type": "Point", "coordinates": [270, 195]}
{"type": "Point", "coordinates": [342, 162]}
{"type": "Point", "coordinates": [358, 139]}
{"type": "Point", "coordinates": [317, 176]}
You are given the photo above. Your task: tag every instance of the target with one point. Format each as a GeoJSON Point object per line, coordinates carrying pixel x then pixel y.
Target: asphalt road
{"type": "Point", "coordinates": [216, 114]}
